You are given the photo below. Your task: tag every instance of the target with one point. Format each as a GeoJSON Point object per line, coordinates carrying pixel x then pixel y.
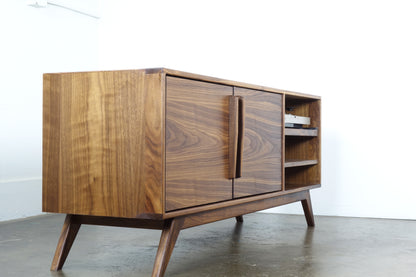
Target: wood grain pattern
{"type": "Point", "coordinates": [261, 169]}
{"type": "Point", "coordinates": [294, 163]}
{"type": "Point", "coordinates": [238, 201]}
{"type": "Point", "coordinates": [301, 132]}
{"type": "Point", "coordinates": [168, 239]}
{"type": "Point", "coordinates": [199, 77]}
{"type": "Point", "coordinates": [68, 235]}
{"type": "Point", "coordinates": [307, 209]}
{"type": "Point", "coordinates": [241, 135]}
{"type": "Point", "coordinates": [103, 143]}
{"type": "Point", "coordinates": [304, 147]}
{"type": "Point", "coordinates": [156, 149]}
{"type": "Point", "coordinates": [233, 136]}
{"type": "Point", "coordinates": [205, 217]}
{"type": "Point", "coordinates": [197, 143]}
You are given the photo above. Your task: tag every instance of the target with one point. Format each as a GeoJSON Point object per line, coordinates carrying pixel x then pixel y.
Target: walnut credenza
{"type": "Point", "coordinates": [169, 150]}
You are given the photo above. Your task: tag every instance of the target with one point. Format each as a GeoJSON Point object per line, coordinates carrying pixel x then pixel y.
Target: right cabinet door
{"type": "Point", "coordinates": [262, 143]}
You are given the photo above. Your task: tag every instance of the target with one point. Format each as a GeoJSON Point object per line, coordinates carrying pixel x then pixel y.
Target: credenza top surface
{"type": "Point", "coordinates": [183, 74]}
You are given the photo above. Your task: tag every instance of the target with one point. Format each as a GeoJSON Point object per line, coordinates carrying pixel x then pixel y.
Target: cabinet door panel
{"type": "Point", "coordinates": [197, 164]}
{"type": "Point", "coordinates": [262, 146]}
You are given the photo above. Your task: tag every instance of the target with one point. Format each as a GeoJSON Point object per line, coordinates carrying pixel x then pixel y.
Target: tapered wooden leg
{"type": "Point", "coordinates": [68, 234]}
{"type": "Point", "coordinates": [239, 218]}
{"type": "Point", "coordinates": [168, 238]}
{"type": "Point", "coordinates": [307, 209]}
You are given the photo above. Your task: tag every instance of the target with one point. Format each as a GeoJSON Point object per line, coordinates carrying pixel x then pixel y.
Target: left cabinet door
{"type": "Point", "coordinates": [197, 143]}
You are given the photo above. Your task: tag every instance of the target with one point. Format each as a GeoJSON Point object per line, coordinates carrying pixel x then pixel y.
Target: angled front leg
{"type": "Point", "coordinates": [307, 209]}
{"type": "Point", "coordinates": [168, 238]}
{"type": "Point", "coordinates": [68, 234]}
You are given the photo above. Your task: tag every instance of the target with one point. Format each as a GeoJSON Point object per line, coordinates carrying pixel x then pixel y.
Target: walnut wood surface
{"type": "Point", "coordinates": [246, 208]}
{"type": "Point", "coordinates": [102, 143]}
{"type": "Point", "coordinates": [241, 135]}
{"type": "Point", "coordinates": [261, 163]}
{"type": "Point", "coordinates": [233, 136]}
{"type": "Point", "coordinates": [199, 77]}
{"type": "Point", "coordinates": [294, 163]}
{"type": "Point", "coordinates": [168, 239]}
{"type": "Point", "coordinates": [68, 234]}
{"type": "Point", "coordinates": [239, 201]}
{"type": "Point", "coordinates": [307, 209]}
{"type": "Point", "coordinates": [156, 149]}
{"type": "Point", "coordinates": [197, 143]}
{"type": "Point", "coordinates": [304, 147]}
{"type": "Point", "coordinates": [301, 132]}
{"type": "Point", "coordinates": [239, 218]}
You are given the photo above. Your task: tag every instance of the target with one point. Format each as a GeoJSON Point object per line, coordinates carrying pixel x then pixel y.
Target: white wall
{"type": "Point", "coordinates": [33, 42]}
{"type": "Point", "coordinates": [358, 55]}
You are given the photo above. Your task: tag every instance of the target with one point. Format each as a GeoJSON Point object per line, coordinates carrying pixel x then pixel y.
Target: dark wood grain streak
{"type": "Point", "coordinates": [261, 163]}
{"type": "Point", "coordinates": [102, 139]}
{"type": "Point", "coordinates": [197, 143]}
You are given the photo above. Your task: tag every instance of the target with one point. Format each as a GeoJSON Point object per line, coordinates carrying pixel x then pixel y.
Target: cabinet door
{"type": "Point", "coordinates": [262, 143]}
{"type": "Point", "coordinates": [197, 164]}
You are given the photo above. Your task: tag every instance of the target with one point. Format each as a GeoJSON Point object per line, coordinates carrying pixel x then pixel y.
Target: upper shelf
{"type": "Point", "coordinates": [301, 132]}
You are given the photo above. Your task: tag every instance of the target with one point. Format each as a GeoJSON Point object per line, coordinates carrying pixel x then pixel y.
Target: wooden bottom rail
{"type": "Point", "coordinates": [171, 227]}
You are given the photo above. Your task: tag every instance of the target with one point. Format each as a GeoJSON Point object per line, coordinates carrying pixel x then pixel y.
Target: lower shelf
{"type": "Point", "coordinates": [295, 163]}
{"type": "Point", "coordinates": [293, 187]}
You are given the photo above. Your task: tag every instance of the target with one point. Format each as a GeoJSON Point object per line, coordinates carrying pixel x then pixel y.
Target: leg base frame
{"type": "Point", "coordinates": [171, 226]}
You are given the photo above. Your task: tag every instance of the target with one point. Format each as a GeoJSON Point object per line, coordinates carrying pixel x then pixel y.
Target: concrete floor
{"type": "Point", "coordinates": [264, 245]}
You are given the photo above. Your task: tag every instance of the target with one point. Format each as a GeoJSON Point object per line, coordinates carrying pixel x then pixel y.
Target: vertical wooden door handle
{"type": "Point", "coordinates": [241, 119]}
{"type": "Point", "coordinates": [233, 135]}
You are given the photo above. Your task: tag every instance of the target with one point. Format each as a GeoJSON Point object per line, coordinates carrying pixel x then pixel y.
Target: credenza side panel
{"type": "Point", "coordinates": [102, 143]}
{"type": "Point", "coordinates": [262, 146]}
{"type": "Point", "coordinates": [197, 143]}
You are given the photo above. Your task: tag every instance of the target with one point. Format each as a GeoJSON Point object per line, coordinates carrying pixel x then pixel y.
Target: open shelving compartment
{"type": "Point", "coordinates": [303, 145]}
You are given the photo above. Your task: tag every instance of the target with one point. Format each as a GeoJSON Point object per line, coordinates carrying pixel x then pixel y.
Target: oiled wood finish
{"type": "Point", "coordinates": [241, 136]}
{"type": "Point", "coordinates": [197, 143]}
{"type": "Point", "coordinates": [307, 209]}
{"type": "Point", "coordinates": [236, 210]}
{"type": "Point", "coordinates": [102, 143]}
{"type": "Point", "coordinates": [168, 238]}
{"type": "Point", "coordinates": [68, 234]}
{"type": "Point", "coordinates": [165, 149]}
{"type": "Point", "coordinates": [261, 163]}
{"type": "Point", "coordinates": [301, 132]}
{"type": "Point", "coordinates": [238, 201]}
{"type": "Point", "coordinates": [303, 148]}
{"type": "Point", "coordinates": [156, 224]}
{"type": "Point", "coordinates": [194, 76]}
{"type": "Point", "coordinates": [233, 136]}
{"type": "Point", "coordinates": [294, 163]}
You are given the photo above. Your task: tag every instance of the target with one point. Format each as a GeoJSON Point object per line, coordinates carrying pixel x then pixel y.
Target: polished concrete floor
{"type": "Point", "coordinates": [264, 245]}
